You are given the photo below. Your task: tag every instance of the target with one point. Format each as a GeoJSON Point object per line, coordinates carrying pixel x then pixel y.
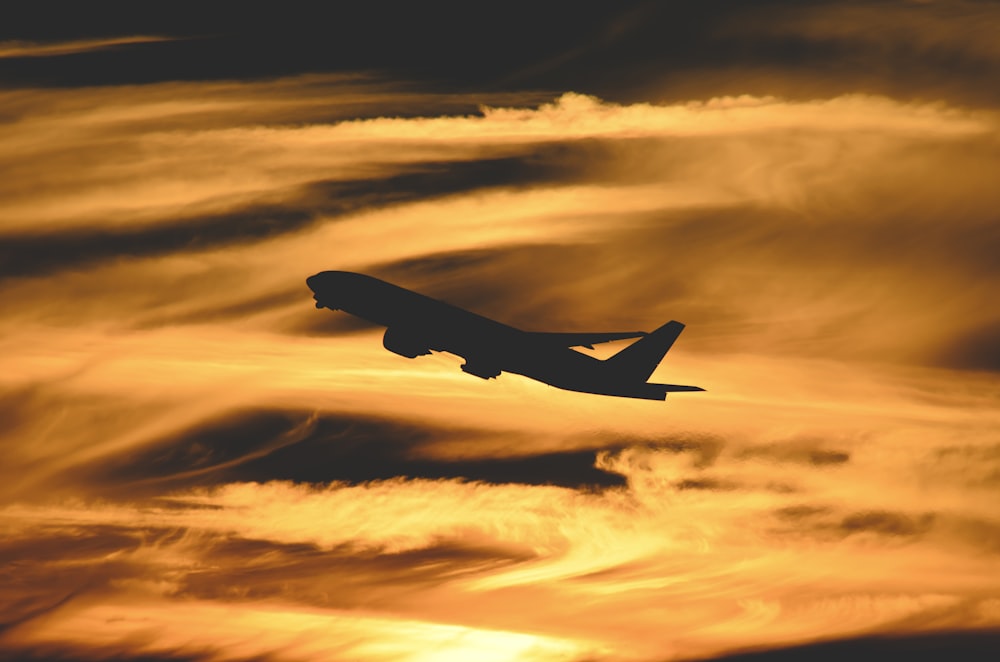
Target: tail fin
{"type": "Point", "coordinates": [639, 360]}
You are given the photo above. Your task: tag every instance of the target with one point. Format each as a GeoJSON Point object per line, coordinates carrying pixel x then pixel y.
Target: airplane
{"type": "Point", "coordinates": [416, 325]}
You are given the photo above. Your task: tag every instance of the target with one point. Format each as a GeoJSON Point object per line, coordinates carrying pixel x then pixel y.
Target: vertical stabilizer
{"type": "Point", "coordinates": [638, 361]}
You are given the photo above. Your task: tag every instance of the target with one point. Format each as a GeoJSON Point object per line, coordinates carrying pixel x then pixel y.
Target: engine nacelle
{"type": "Point", "coordinates": [484, 370]}
{"type": "Point", "coordinates": [404, 344]}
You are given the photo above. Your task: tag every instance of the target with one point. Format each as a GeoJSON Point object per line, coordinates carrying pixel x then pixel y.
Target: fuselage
{"type": "Point", "coordinates": [421, 322]}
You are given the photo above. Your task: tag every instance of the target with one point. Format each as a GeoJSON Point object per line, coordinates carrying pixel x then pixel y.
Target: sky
{"type": "Point", "coordinates": [199, 465]}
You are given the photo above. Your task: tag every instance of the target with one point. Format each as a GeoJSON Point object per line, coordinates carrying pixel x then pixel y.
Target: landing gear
{"type": "Point", "coordinates": [482, 370]}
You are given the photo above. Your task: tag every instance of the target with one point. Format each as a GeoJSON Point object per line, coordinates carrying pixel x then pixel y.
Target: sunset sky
{"type": "Point", "coordinates": [199, 465]}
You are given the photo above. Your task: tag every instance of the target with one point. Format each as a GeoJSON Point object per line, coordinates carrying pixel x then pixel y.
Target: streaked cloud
{"type": "Point", "coordinates": [935, 28]}
{"type": "Point", "coordinates": [9, 49]}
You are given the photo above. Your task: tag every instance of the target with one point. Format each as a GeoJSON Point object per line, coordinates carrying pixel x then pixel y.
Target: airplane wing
{"type": "Point", "coordinates": [583, 339]}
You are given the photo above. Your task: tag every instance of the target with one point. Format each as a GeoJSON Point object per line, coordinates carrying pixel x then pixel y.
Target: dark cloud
{"type": "Point", "coordinates": [522, 44]}
{"type": "Point", "coordinates": [942, 529]}
{"type": "Point", "coordinates": [46, 253]}
{"type": "Point", "coordinates": [826, 523]}
{"type": "Point", "coordinates": [799, 451]}
{"type": "Point", "coordinates": [27, 609]}
{"type": "Point", "coordinates": [79, 543]}
{"type": "Point", "coordinates": [821, 457]}
{"type": "Point", "coordinates": [964, 645]}
{"type": "Point", "coordinates": [801, 512]}
{"type": "Point", "coordinates": [440, 40]}
{"type": "Point", "coordinates": [265, 445]}
{"type": "Point", "coordinates": [976, 349]}
{"type": "Point", "coordinates": [77, 652]}
{"type": "Point", "coordinates": [345, 576]}
{"type": "Point", "coordinates": [625, 50]}
{"type": "Point", "coordinates": [902, 49]}
{"type": "Point", "coordinates": [886, 523]}
{"type": "Point", "coordinates": [238, 569]}
{"type": "Point", "coordinates": [704, 448]}
{"type": "Point", "coordinates": [52, 566]}
{"type": "Point", "coordinates": [16, 406]}
{"type": "Point", "coordinates": [712, 484]}
{"type": "Point", "coordinates": [976, 454]}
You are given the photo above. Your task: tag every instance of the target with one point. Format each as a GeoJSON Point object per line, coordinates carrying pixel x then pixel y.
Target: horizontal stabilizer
{"type": "Point", "coordinates": [650, 391]}
{"type": "Point", "coordinates": [587, 340]}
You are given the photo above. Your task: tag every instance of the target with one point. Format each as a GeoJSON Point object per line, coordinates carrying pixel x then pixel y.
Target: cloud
{"type": "Point", "coordinates": [320, 448]}
{"type": "Point", "coordinates": [212, 631]}
{"type": "Point", "coordinates": [886, 523]}
{"type": "Point", "coordinates": [117, 156]}
{"type": "Point", "coordinates": [969, 644]}
{"type": "Point", "coordinates": [937, 32]}
{"type": "Point", "coordinates": [807, 451]}
{"type": "Point", "coordinates": [978, 349]}
{"type": "Point", "coordinates": [46, 253]}
{"type": "Point", "coordinates": [906, 50]}
{"type": "Point", "coordinates": [451, 552]}
{"type": "Point", "coordinates": [629, 51]}
{"type": "Point", "coordinates": [15, 49]}
{"type": "Point", "coordinates": [341, 577]}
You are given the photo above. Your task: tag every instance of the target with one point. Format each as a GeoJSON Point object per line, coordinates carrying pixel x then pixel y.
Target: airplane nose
{"type": "Point", "coordinates": [315, 282]}
{"type": "Point", "coordinates": [323, 287]}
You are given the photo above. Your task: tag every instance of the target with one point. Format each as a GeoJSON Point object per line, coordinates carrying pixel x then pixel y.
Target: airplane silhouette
{"type": "Point", "coordinates": [416, 325]}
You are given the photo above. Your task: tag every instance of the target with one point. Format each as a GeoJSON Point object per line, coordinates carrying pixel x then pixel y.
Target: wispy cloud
{"type": "Point", "coordinates": [937, 29]}
{"type": "Point", "coordinates": [12, 49]}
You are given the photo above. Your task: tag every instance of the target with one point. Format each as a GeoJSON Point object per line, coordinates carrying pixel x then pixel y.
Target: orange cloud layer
{"type": "Point", "coordinates": [195, 457]}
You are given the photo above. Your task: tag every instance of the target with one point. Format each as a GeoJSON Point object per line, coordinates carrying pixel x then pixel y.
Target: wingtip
{"type": "Point", "coordinates": [678, 388]}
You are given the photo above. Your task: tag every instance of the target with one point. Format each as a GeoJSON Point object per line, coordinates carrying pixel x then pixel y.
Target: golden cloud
{"type": "Point", "coordinates": [182, 470]}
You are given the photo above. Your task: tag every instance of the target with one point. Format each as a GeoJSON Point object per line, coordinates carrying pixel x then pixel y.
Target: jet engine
{"type": "Point", "coordinates": [484, 370]}
{"type": "Point", "coordinates": [404, 344]}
